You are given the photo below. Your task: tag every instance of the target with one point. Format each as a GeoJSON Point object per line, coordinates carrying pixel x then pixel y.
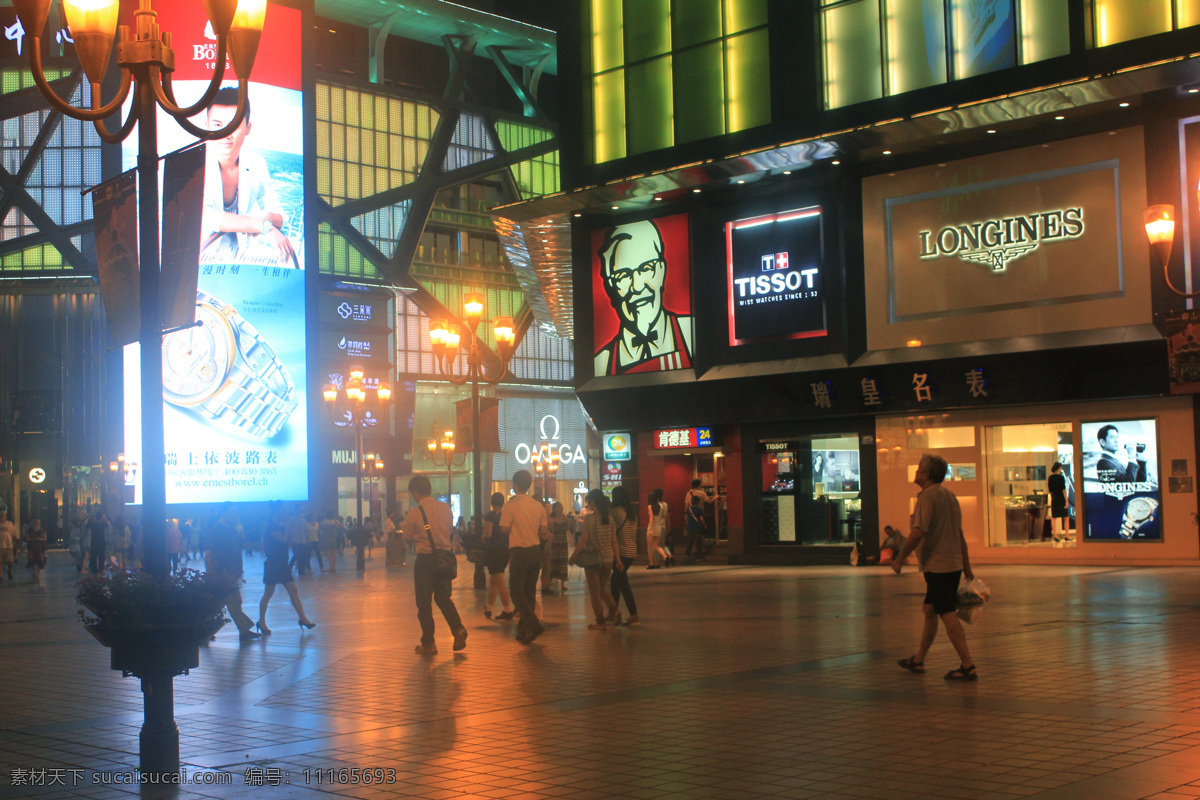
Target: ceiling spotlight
{"type": "Point", "coordinates": [741, 181]}
{"type": "Point", "coordinates": [656, 199]}
{"type": "Point", "coordinates": [991, 130]}
{"type": "Point", "coordinates": [577, 214]}
{"type": "Point", "coordinates": [1193, 91]}
{"type": "Point", "coordinates": [835, 162]}
{"type": "Point", "coordinates": [614, 208]}
{"type": "Point", "coordinates": [1124, 105]}
{"type": "Point", "coordinates": [695, 191]}
{"type": "Point", "coordinates": [1060, 117]}
{"type": "Point", "coordinates": [787, 172]}
{"type": "Point", "coordinates": [887, 152]}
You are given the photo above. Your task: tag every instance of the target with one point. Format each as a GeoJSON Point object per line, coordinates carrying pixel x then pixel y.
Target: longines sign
{"type": "Point", "coordinates": [996, 242]}
{"type": "Point", "coordinates": [1041, 238]}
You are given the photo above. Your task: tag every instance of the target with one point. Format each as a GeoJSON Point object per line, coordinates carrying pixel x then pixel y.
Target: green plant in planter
{"type": "Point", "coordinates": [154, 623]}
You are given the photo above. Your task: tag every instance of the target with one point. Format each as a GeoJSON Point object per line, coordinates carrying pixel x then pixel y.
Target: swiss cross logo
{"type": "Point", "coordinates": [773, 261]}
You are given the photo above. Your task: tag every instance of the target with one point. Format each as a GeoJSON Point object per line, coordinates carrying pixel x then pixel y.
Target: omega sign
{"type": "Point", "coordinates": [996, 242]}
{"type": "Point", "coordinates": [567, 454]}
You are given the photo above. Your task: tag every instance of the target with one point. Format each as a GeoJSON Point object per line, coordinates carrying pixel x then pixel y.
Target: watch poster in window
{"type": "Point", "coordinates": [641, 296]}
{"type": "Point", "coordinates": [234, 411]}
{"type": "Point", "coordinates": [1121, 492]}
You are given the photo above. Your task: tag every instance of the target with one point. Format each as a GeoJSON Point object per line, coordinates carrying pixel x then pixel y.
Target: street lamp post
{"type": "Point", "coordinates": [445, 337]}
{"type": "Point", "coordinates": [358, 404]}
{"type": "Point", "coordinates": [442, 452]}
{"type": "Point", "coordinates": [147, 61]}
{"type": "Point", "coordinates": [1160, 231]}
{"type": "Point", "coordinates": [546, 468]}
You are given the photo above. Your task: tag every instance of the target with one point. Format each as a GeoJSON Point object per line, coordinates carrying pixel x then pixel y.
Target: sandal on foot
{"type": "Point", "coordinates": [962, 674]}
{"type": "Point", "coordinates": [913, 666]}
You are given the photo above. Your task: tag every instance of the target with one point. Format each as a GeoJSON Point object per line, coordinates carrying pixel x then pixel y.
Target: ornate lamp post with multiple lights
{"type": "Point", "coordinates": [443, 453]}
{"type": "Point", "coordinates": [546, 470]}
{"type": "Point", "coordinates": [445, 337]}
{"type": "Point", "coordinates": [147, 61]}
{"type": "Point", "coordinates": [358, 404]}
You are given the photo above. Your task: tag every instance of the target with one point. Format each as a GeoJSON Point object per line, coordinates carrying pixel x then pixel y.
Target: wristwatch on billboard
{"type": "Point", "coordinates": [223, 367]}
{"type": "Point", "coordinates": [267, 226]}
{"type": "Point", "coordinates": [1137, 511]}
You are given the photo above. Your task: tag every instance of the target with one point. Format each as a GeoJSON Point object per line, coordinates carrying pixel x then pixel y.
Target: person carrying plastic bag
{"type": "Point", "coordinates": [937, 534]}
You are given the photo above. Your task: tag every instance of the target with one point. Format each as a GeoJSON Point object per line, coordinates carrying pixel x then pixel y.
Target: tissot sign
{"type": "Point", "coordinates": [776, 289]}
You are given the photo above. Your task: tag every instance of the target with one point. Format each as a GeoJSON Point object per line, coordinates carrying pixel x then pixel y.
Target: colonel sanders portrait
{"type": "Point", "coordinates": [650, 337]}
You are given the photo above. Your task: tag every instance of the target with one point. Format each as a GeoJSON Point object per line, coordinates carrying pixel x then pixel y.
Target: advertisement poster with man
{"type": "Point", "coordinates": [641, 296]}
{"type": "Point", "coordinates": [1121, 492]}
{"type": "Point", "coordinates": [233, 385]}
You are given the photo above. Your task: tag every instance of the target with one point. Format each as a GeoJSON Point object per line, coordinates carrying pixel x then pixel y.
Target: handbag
{"type": "Point", "coordinates": [445, 565]}
{"type": "Point", "coordinates": [589, 556]}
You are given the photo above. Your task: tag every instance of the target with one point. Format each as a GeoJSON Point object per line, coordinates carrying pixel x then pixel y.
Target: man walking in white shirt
{"type": "Point", "coordinates": [525, 523]}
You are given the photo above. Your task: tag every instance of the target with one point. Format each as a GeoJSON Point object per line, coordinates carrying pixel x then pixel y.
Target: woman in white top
{"type": "Point", "coordinates": [656, 531]}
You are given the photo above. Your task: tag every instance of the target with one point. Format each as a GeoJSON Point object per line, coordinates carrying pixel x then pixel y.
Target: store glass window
{"type": "Point", "coordinates": [1020, 464]}
{"type": "Point", "coordinates": [708, 60]}
{"type": "Point", "coordinates": [878, 48]}
{"type": "Point", "coordinates": [1122, 20]}
{"type": "Point", "coordinates": [811, 490]}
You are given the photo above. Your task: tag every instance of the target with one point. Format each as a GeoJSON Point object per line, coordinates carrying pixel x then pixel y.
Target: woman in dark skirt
{"type": "Point", "coordinates": [276, 570]}
{"type": "Point", "coordinates": [495, 546]}
{"type": "Point", "coordinates": [1059, 515]}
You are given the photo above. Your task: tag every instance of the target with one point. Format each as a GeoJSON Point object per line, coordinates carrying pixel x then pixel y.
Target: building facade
{"type": "Point", "coordinates": [403, 126]}
{"type": "Point", "coordinates": [811, 242]}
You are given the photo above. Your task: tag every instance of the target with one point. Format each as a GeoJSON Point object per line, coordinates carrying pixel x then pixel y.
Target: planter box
{"type": "Point", "coordinates": [154, 650]}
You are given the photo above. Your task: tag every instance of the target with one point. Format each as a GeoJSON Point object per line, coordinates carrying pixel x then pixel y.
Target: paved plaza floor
{"type": "Point", "coordinates": [741, 682]}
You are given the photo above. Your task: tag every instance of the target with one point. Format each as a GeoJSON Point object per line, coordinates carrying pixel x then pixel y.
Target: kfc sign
{"type": "Point", "coordinates": [775, 286]}
{"type": "Point", "coordinates": [682, 437]}
{"type": "Point", "coordinates": [641, 297]}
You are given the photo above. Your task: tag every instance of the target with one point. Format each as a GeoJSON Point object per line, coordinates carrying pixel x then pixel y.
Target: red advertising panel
{"type": "Point", "coordinates": [641, 296]}
{"type": "Point", "coordinates": [682, 437]}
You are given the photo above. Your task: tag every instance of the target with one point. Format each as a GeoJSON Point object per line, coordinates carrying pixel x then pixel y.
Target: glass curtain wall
{"type": "Point", "coordinates": [666, 72]}
{"type": "Point", "coordinates": [879, 48]}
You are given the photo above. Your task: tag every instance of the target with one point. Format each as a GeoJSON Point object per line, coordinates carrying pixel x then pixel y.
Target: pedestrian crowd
{"type": "Point", "coordinates": [534, 541]}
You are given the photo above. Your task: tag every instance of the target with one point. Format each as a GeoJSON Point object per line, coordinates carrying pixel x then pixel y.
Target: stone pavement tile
{"type": "Point", "coordinates": [784, 682]}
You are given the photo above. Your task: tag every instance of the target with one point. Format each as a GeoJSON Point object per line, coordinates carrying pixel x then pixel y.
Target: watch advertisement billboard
{"type": "Point", "coordinates": [1121, 492]}
{"type": "Point", "coordinates": [775, 286]}
{"type": "Point", "coordinates": [234, 413]}
{"type": "Point", "coordinates": [641, 296]}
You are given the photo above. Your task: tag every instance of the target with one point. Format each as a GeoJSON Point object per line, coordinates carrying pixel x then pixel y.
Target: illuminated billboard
{"type": "Point", "coordinates": [234, 412]}
{"type": "Point", "coordinates": [776, 289]}
{"type": "Point", "coordinates": [1120, 481]}
{"type": "Point", "coordinates": [641, 297]}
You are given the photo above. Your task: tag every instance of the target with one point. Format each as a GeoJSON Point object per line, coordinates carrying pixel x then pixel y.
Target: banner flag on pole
{"type": "Point", "coordinates": [183, 204]}
{"type": "Point", "coordinates": [489, 425]}
{"type": "Point", "coordinates": [115, 220]}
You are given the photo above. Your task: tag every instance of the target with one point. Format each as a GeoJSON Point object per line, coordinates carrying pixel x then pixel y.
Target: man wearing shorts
{"type": "Point", "coordinates": [937, 533]}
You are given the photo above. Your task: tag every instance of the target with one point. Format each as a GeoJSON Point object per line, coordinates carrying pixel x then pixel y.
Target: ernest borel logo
{"type": "Point", "coordinates": [997, 242]}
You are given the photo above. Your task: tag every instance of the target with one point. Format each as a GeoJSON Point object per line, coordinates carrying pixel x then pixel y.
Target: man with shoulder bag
{"type": "Point", "coordinates": [429, 525]}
